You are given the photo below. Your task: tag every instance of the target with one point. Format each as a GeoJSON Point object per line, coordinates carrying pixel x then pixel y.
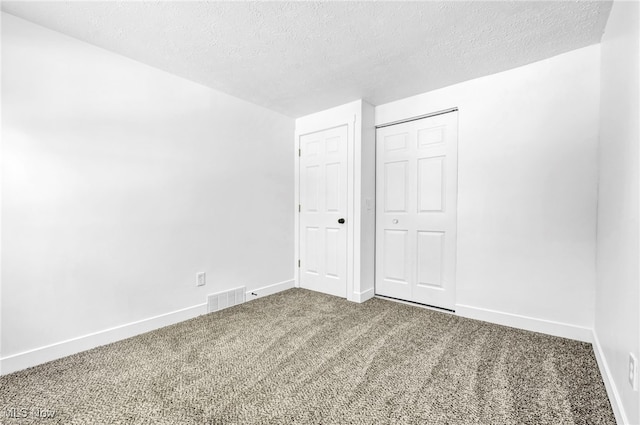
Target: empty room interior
{"type": "Point", "coordinates": [320, 212]}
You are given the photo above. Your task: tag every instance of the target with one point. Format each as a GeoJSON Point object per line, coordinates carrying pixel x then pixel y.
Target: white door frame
{"type": "Point", "coordinates": [415, 118]}
{"type": "Point", "coordinates": [318, 212]}
{"type": "Point", "coordinates": [349, 115]}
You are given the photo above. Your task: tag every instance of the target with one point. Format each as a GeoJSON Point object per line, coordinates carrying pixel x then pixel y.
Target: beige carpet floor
{"type": "Point", "coordinates": [299, 357]}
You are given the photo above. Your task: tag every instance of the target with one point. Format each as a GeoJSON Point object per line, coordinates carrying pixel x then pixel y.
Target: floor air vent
{"type": "Point", "coordinates": [222, 300]}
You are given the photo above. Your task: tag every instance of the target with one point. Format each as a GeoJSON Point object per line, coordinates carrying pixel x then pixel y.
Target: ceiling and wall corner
{"type": "Point", "coordinates": [301, 57]}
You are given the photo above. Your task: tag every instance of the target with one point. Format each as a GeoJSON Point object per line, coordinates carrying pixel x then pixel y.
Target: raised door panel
{"type": "Point", "coordinates": [395, 248]}
{"type": "Point", "coordinates": [332, 253]}
{"type": "Point", "coordinates": [332, 187]}
{"type": "Point", "coordinates": [396, 142]}
{"type": "Point", "coordinates": [431, 179]}
{"type": "Point", "coordinates": [312, 238]}
{"type": "Point", "coordinates": [396, 187]}
{"type": "Point", "coordinates": [431, 136]}
{"type": "Point", "coordinates": [430, 258]}
{"type": "Point", "coordinates": [311, 188]}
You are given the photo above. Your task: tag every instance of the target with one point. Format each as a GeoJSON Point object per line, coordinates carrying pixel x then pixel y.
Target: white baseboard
{"type": "Point", "coordinates": [270, 289]}
{"type": "Point", "coordinates": [533, 324]}
{"type": "Point", "coordinates": [609, 383]}
{"type": "Point", "coordinates": [363, 296]}
{"type": "Point", "coordinates": [50, 352]}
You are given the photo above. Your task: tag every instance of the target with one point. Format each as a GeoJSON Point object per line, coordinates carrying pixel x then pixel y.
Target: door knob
{"type": "Point", "coordinates": [341, 220]}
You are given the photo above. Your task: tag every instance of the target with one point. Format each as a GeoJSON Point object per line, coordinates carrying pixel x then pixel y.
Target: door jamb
{"type": "Point", "coordinates": [402, 121]}
{"type": "Point", "coordinates": [336, 117]}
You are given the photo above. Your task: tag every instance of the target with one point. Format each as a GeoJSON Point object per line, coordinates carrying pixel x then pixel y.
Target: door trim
{"type": "Point", "coordinates": [347, 222]}
{"type": "Point", "coordinates": [348, 115]}
{"type": "Point", "coordinates": [455, 261]}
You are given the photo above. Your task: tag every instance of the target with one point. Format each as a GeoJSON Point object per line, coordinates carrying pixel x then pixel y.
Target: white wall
{"type": "Point", "coordinates": [617, 318]}
{"type": "Point", "coordinates": [526, 191]}
{"type": "Point", "coordinates": [1, 160]}
{"type": "Point", "coordinates": [120, 182]}
{"type": "Point", "coordinates": [367, 185]}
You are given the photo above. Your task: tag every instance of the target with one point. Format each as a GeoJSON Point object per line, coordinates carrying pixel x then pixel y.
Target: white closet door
{"type": "Point", "coordinates": [416, 193]}
{"type": "Point", "coordinates": [323, 209]}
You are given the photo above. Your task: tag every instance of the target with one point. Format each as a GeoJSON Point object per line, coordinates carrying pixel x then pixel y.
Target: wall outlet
{"type": "Point", "coordinates": [201, 279]}
{"type": "Point", "coordinates": [633, 372]}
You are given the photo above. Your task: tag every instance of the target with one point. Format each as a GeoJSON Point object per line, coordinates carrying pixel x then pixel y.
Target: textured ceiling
{"type": "Point", "coordinates": [301, 57]}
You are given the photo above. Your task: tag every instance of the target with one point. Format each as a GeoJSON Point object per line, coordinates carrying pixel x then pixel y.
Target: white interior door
{"type": "Point", "coordinates": [323, 208]}
{"type": "Point", "coordinates": [416, 193]}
